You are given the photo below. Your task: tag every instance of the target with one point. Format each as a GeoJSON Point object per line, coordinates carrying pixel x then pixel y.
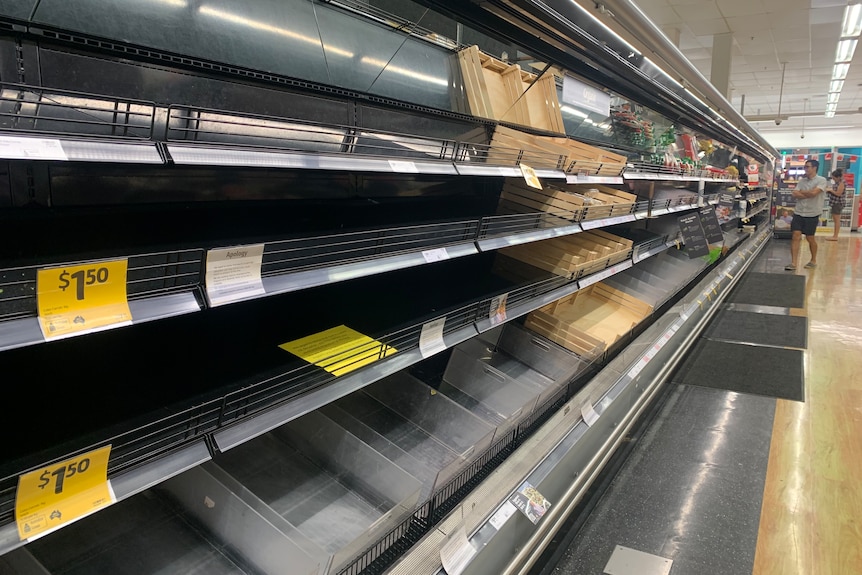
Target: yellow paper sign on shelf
{"type": "Point", "coordinates": [78, 299]}
{"type": "Point", "coordinates": [56, 495]}
{"type": "Point", "coordinates": [530, 177]}
{"type": "Point", "coordinates": [338, 350]}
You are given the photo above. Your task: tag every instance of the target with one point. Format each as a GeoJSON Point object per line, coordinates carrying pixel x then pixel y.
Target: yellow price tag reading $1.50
{"type": "Point", "coordinates": [83, 298]}
{"type": "Point", "coordinates": [58, 494]}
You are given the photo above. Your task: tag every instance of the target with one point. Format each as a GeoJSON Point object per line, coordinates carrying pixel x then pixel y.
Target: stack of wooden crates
{"type": "Point", "coordinates": [589, 320]}
{"type": "Point", "coordinates": [504, 92]}
{"type": "Point", "coordinates": [575, 203]}
{"type": "Point", "coordinates": [498, 91]}
{"type": "Point", "coordinates": [572, 256]}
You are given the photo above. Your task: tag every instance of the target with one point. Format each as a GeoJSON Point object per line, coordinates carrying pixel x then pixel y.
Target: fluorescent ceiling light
{"type": "Point", "coordinates": [845, 50]}
{"type": "Point", "coordinates": [830, 114]}
{"type": "Point", "coordinates": [836, 86]}
{"type": "Point", "coordinates": [572, 111]}
{"type": "Point", "coordinates": [839, 71]}
{"type": "Point", "coordinates": [264, 27]}
{"type": "Point", "coordinates": [404, 71]}
{"type": "Point", "coordinates": [852, 25]}
{"type": "Point", "coordinates": [833, 98]}
{"type": "Point", "coordinates": [832, 107]}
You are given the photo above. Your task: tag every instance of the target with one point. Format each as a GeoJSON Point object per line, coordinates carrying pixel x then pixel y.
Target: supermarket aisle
{"type": "Point", "coordinates": [725, 483]}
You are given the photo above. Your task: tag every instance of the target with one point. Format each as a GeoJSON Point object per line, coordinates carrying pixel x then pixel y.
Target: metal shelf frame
{"type": "Point", "coordinates": [166, 284]}
{"type": "Point", "coordinates": [238, 416]}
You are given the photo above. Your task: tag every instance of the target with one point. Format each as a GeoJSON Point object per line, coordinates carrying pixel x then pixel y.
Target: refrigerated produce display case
{"type": "Point", "coordinates": [292, 269]}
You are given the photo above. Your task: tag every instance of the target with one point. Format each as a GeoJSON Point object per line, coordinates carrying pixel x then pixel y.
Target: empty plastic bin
{"type": "Point", "coordinates": [142, 535]}
{"type": "Point", "coordinates": [440, 434]}
{"type": "Point", "coordinates": [329, 493]}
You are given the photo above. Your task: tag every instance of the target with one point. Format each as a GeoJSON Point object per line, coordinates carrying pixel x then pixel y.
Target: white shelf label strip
{"type": "Point", "coordinates": [437, 255]}
{"type": "Point", "coordinates": [13, 148]}
{"type": "Point", "coordinates": [502, 515]}
{"type": "Point", "coordinates": [597, 277]}
{"type": "Point", "coordinates": [403, 167]}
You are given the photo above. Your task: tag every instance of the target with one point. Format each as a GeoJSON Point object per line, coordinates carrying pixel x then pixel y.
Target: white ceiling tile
{"type": "Point", "coordinates": [705, 41]}
{"type": "Point", "coordinates": [730, 8]}
{"type": "Point", "coordinates": [747, 25]}
{"type": "Point", "coordinates": [704, 27]}
{"type": "Point", "coordinates": [827, 3]}
{"type": "Point", "coordinates": [825, 32]}
{"type": "Point", "coordinates": [687, 42]}
{"type": "Point", "coordinates": [647, 5]}
{"type": "Point", "coordinates": [701, 11]}
{"type": "Point", "coordinates": [827, 15]}
{"type": "Point", "coordinates": [767, 61]}
{"type": "Point", "coordinates": [780, 21]}
{"type": "Point", "coordinates": [799, 33]}
{"type": "Point", "coordinates": [697, 54]}
{"type": "Point", "coordinates": [759, 50]}
{"type": "Point", "coordinates": [789, 5]}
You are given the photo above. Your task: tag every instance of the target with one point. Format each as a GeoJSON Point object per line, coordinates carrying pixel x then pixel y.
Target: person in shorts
{"type": "Point", "coordinates": [836, 201]}
{"type": "Point", "coordinates": [810, 193]}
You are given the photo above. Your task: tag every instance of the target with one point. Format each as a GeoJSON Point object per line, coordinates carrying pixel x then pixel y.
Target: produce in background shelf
{"type": "Point", "coordinates": [630, 128]}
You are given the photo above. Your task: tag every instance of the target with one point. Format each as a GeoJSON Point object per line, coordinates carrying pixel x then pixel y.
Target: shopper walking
{"type": "Point", "coordinates": [836, 201]}
{"type": "Point", "coordinates": [809, 194]}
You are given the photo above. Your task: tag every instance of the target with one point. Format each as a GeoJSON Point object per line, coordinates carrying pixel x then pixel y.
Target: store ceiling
{"type": "Point", "coordinates": [767, 34]}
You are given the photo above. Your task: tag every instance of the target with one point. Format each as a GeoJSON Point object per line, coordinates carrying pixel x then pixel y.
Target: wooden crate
{"type": "Point", "coordinates": [625, 243]}
{"type": "Point", "coordinates": [613, 195]}
{"type": "Point", "coordinates": [511, 147]}
{"type": "Point", "coordinates": [549, 199]}
{"type": "Point", "coordinates": [614, 202]}
{"type": "Point", "coordinates": [599, 312]}
{"type": "Point", "coordinates": [508, 147]}
{"type": "Point", "coordinates": [571, 151]}
{"type": "Point", "coordinates": [539, 102]}
{"type": "Point", "coordinates": [590, 159]}
{"type": "Point", "coordinates": [572, 256]}
{"type": "Point", "coordinates": [516, 271]}
{"type": "Point", "coordinates": [498, 91]}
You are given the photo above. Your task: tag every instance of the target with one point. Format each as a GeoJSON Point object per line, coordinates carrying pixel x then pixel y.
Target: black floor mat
{"type": "Point", "coordinates": [779, 290]}
{"type": "Point", "coordinates": [759, 329]}
{"type": "Point", "coordinates": [768, 371]}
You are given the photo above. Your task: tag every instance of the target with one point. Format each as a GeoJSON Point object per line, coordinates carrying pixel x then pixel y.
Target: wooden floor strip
{"type": "Point", "coordinates": [811, 519]}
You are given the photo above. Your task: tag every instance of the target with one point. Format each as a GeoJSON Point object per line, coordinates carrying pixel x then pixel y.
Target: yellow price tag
{"type": "Point", "coordinates": [530, 177]}
{"type": "Point", "coordinates": [338, 350]}
{"type": "Point", "coordinates": [53, 496]}
{"type": "Point", "coordinates": [78, 299]}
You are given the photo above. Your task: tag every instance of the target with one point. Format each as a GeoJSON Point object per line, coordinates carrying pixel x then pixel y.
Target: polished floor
{"type": "Point", "coordinates": [725, 483]}
{"type": "Point", "coordinates": [811, 516]}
